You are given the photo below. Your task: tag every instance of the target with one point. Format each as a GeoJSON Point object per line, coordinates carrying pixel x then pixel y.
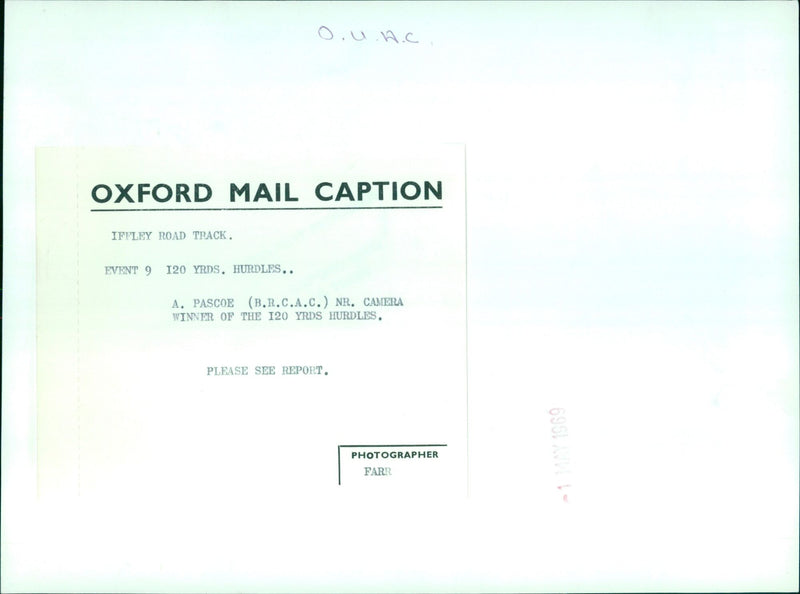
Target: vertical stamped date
{"type": "Point", "coordinates": [559, 433]}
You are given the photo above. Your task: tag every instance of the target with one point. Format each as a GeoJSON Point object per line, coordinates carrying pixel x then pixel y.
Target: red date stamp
{"type": "Point", "coordinates": [559, 433]}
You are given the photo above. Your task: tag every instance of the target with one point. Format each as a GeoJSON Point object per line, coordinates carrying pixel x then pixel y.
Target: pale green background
{"type": "Point", "coordinates": [633, 240]}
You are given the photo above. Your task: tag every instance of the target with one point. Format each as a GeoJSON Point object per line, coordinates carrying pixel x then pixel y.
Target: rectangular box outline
{"type": "Point", "coordinates": [403, 445]}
